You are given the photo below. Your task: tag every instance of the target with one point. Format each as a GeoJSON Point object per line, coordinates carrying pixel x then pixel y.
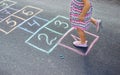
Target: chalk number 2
{"type": "Point", "coordinates": [49, 42]}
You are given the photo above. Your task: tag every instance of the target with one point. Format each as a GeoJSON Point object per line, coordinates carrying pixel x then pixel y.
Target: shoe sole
{"type": "Point", "coordinates": [100, 27]}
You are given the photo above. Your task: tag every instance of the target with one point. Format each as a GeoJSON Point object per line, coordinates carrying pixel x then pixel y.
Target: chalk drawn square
{"type": "Point", "coordinates": [44, 40]}
{"type": "Point", "coordinates": [5, 13]}
{"type": "Point", "coordinates": [10, 24]}
{"type": "Point", "coordinates": [6, 3]}
{"type": "Point", "coordinates": [28, 11]}
{"type": "Point", "coordinates": [67, 41]}
{"type": "Point", "coordinates": [33, 24]}
{"type": "Point", "coordinates": [61, 24]}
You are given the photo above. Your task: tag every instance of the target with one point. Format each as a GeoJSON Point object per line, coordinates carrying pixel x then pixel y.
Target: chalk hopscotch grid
{"type": "Point", "coordinates": [25, 29]}
{"type": "Point", "coordinates": [7, 32]}
{"type": "Point", "coordinates": [44, 26]}
{"type": "Point", "coordinates": [78, 51]}
{"type": "Point", "coordinates": [13, 3]}
{"type": "Point", "coordinates": [25, 20]}
{"type": "Point", "coordinates": [21, 10]}
{"type": "Point", "coordinates": [7, 7]}
{"type": "Point", "coordinates": [40, 10]}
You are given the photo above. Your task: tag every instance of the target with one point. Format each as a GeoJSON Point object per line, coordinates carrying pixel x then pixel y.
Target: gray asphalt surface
{"type": "Point", "coordinates": [19, 58]}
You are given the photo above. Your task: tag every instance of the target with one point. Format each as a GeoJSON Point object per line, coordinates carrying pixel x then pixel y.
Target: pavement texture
{"type": "Point", "coordinates": [29, 39]}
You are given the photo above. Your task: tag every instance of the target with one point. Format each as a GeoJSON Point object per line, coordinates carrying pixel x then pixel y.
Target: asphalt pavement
{"type": "Point", "coordinates": [36, 39]}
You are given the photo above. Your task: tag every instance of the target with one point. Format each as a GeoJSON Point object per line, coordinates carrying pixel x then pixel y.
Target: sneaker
{"type": "Point", "coordinates": [99, 25]}
{"type": "Point", "coordinates": [78, 44]}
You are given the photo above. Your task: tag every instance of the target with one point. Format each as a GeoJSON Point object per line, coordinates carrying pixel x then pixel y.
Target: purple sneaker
{"type": "Point", "coordinates": [78, 44]}
{"type": "Point", "coordinates": [99, 25]}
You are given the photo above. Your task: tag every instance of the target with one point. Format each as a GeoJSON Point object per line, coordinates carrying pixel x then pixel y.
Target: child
{"type": "Point", "coordinates": [80, 17]}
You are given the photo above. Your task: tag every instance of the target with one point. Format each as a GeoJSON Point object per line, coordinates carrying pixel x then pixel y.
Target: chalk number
{"type": "Point", "coordinates": [12, 22]}
{"type": "Point", "coordinates": [27, 13]}
{"type": "Point", "coordinates": [59, 23]}
{"type": "Point", "coordinates": [49, 42]}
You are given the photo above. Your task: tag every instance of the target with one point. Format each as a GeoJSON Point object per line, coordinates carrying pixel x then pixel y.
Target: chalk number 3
{"type": "Point", "coordinates": [59, 23]}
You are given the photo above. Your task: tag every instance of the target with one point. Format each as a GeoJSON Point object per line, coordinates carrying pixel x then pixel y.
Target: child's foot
{"type": "Point", "coordinates": [98, 25]}
{"type": "Point", "coordinates": [78, 44]}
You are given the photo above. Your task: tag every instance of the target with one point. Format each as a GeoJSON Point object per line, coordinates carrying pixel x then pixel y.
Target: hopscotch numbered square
{"type": "Point", "coordinates": [48, 35]}
{"type": "Point", "coordinates": [28, 12]}
{"type": "Point", "coordinates": [5, 13]}
{"type": "Point", "coordinates": [12, 21]}
{"type": "Point", "coordinates": [61, 24]}
{"type": "Point", "coordinates": [44, 40]}
{"type": "Point", "coordinates": [33, 24]}
{"type": "Point", "coordinates": [71, 36]}
{"type": "Point", "coordinates": [10, 24]}
{"type": "Point", "coordinates": [6, 3]}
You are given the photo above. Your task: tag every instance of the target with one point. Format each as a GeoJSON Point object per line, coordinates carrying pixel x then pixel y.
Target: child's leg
{"type": "Point", "coordinates": [97, 23]}
{"type": "Point", "coordinates": [82, 42]}
{"type": "Point", "coordinates": [93, 20]}
{"type": "Point", "coordinates": [81, 35]}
